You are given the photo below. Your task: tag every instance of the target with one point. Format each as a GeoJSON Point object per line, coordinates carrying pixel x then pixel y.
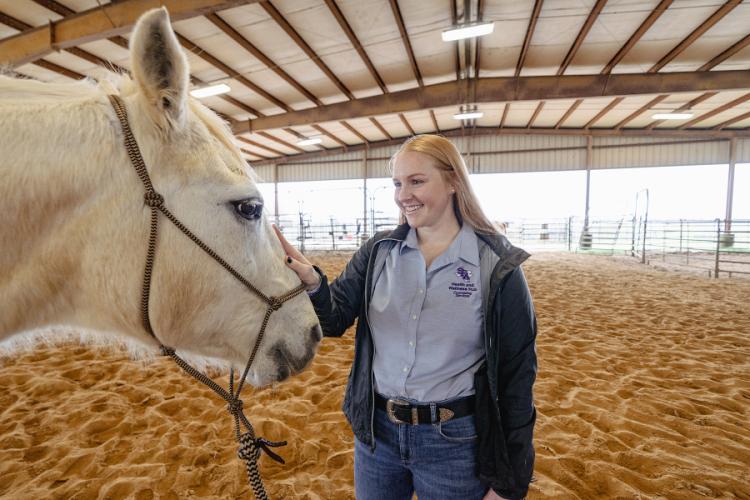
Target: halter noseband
{"type": "Point", "coordinates": [250, 445]}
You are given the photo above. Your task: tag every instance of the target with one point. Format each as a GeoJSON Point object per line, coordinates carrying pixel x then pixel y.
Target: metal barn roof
{"type": "Point", "coordinates": [375, 71]}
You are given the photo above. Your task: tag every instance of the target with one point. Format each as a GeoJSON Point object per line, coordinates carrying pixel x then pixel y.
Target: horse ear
{"type": "Point", "coordinates": [159, 65]}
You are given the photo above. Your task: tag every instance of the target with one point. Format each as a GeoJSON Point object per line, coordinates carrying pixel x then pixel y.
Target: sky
{"type": "Point", "coordinates": [693, 192]}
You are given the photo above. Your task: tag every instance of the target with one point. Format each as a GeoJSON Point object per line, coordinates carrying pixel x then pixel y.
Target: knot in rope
{"type": "Point", "coordinates": [153, 199]}
{"type": "Point", "coordinates": [250, 448]}
{"type": "Point", "coordinates": [235, 406]}
{"type": "Point", "coordinates": [274, 303]}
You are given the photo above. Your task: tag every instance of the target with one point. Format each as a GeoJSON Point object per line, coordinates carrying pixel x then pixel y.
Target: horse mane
{"type": "Point", "coordinates": [14, 89]}
{"type": "Point", "coordinates": [26, 91]}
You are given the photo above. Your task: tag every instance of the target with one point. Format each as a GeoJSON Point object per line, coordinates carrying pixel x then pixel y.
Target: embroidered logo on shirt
{"type": "Point", "coordinates": [463, 274]}
{"type": "Point", "coordinates": [463, 288]}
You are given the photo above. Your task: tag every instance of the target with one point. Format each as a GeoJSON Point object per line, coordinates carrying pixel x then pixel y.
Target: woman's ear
{"type": "Point", "coordinates": [159, 65]}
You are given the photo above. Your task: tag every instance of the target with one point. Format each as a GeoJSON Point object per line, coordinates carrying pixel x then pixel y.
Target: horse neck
{"type": "Point", "coordinates": [64, 170]}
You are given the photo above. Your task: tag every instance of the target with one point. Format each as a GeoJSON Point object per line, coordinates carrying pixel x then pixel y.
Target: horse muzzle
{"type": "Point", "coordinates": [287, 363]}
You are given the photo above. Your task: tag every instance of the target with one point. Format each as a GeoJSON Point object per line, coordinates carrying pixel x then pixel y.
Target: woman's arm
{"type": "Point", "coordinates": [338, 304]}
{"type": "Point", "coordinates": [517, 373]}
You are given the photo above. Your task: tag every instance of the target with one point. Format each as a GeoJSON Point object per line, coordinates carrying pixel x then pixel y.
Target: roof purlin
{"type": "Point", "coordinates": [529, 35]}
{"type": "Point", "coordinates": [639, 32]}
{"type": "Point", "coordinates": [245, 44]}
{"type": "Point", "coordinates": [695, 34]}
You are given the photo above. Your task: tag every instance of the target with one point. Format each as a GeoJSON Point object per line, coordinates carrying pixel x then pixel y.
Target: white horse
{"type": "Point", "coordinates": [74, 230]}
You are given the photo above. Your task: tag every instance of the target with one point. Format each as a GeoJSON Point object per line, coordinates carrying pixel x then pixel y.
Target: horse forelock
{"type": "Point", "coordinates": [219, 129]}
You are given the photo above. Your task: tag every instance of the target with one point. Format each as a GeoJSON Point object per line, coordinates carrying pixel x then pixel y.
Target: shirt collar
{"type": "Point", "coordinates": [464, 246]}
{"type": "Point", "coordinates": [410, 241]}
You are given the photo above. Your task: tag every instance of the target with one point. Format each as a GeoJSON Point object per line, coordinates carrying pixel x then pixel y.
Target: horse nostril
{"type": "Point", "coordinates": [316, 333]}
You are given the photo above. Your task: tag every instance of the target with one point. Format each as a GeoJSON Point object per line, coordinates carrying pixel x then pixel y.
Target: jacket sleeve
{"type": "Point", "coordinates": [338, 304]}
{"type": "Point", "coordinates": [517, 373]}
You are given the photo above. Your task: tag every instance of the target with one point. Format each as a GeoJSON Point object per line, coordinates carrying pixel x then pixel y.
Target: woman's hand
{"type": "Point", "coordinates": [491, 495]}
{"type": "Point", "coordinates": [298, 263]}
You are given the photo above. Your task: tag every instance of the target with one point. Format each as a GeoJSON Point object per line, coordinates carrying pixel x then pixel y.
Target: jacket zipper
{"type": "Point", "coordinates": [367, 322]}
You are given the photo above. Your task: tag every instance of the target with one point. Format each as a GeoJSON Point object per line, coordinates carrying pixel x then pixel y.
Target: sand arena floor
{"type": "Point", "coordinates": [643, 392]}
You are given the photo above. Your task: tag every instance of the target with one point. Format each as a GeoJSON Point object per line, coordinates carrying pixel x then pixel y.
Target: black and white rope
{"type": "Point", "coordinates": [250, 446]}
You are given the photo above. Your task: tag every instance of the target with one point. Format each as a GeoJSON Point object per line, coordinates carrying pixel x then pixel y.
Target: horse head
{"type": "Point", "coordinates": [80, 225]}
{"type": "Point", "coordinates": [198, 306]}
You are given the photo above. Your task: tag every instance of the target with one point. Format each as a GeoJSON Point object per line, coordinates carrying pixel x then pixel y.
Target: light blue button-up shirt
{"type": "Point", "coordinates": [427, 323]}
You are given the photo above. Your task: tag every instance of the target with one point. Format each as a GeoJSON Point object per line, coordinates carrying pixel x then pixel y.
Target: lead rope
{"type": "Point", "coordinates": [250, 446]}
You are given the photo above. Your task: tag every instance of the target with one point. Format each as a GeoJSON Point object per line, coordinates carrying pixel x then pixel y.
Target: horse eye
{"type": "Point", "coordinates": [250, 209]}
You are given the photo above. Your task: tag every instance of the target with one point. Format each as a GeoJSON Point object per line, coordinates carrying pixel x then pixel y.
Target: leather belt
{"type": "Point", "coordinates": [403, 412]}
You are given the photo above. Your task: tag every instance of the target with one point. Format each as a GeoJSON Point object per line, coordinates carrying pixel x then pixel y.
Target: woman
{"type": "Point", "coordinates": [440, 391]}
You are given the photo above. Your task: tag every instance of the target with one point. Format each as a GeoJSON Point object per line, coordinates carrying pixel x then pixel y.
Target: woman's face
{"type": "Point", "coordinates": [421, 193]}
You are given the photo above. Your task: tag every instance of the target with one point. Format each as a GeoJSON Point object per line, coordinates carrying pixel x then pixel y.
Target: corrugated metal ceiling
{"type": "Point", "coordinates": [689, 35]}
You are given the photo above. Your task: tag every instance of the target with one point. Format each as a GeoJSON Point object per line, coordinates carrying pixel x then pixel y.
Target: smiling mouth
{"type": "Point", "coordinates": [410, 209]}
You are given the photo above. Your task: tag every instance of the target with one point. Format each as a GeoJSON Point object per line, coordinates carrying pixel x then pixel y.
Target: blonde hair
{"type": "Point", "coordinates": [450, 163]}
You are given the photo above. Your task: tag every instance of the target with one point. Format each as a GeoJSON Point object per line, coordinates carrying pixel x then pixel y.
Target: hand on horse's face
{"type": "Point", "coordinates": [298, 262]}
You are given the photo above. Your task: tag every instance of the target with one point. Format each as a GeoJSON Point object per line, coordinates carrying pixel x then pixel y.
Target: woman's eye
{"type": "Point", "coordinates": [249, 209]}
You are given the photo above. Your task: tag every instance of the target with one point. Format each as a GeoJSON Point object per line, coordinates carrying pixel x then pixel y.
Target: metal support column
{"type": "Point", "coordinates": [586, 236]}
{"type": "Point", "coordinates": [730, 183]}
{"type": "Point", "coordinates": [589, 160]}
{"type": "Point", "coordinates": [276, 193]}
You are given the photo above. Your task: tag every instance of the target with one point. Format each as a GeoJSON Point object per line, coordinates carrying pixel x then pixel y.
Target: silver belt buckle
{"type": "Point", "coordinates": [389, 410]}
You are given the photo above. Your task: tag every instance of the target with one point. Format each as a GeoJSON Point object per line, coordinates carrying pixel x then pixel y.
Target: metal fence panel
{"type": "Point", "coordinates": [710, 247]}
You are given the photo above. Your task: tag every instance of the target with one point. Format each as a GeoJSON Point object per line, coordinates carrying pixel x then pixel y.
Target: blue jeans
{"type": "Point", "coordinates": [437, 461]}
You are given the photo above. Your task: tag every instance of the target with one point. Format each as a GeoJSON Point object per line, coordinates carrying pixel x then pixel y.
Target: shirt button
{"type": "Point", "coordinates": [405, 369]}
{"type": "Point", "coordinates": [420, 291]}
{"type": "Point", "coordinates": [413, 316]}
{"type": "Point", "coordinates": [411, 343]}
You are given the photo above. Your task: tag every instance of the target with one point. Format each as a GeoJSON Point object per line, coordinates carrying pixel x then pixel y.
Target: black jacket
{"type": "Point", "coordinates": [505, 412]}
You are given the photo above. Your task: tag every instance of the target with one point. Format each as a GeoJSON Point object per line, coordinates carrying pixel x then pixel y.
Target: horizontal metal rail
{"type": "Point", "coordinates": [698, 245]}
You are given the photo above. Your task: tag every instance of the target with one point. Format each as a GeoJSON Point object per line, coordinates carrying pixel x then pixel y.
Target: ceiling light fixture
{"type": "Point", "coordinates": [470, 30]}
{"type": "Point", "coordinates": [468, 115]}
{"type": "Point", "coordinates": [309, 141]}
{"type": "Point", "coordinates": [671, 116]}
{"type": "Point", "coordinates": [210, 90]}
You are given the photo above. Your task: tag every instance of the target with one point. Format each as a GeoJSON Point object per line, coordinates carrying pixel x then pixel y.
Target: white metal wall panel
{"type": "Point", "coordinates": [743, 150]}
{"type": "Point", "coordinates": [527, 153]}
{"type": "Point", "coordinates": [615, 140]}
{"type": "Point", "coordinates": [378, 169]}
{"type": "Point", "coordinates": [536, 161]}
{"type": "Point", "coordinates": [653, 152]}
{"type": "Point", "coordinates": [324, 171]}
{"type": "Point", "coordinates": [377, 166]}
{"type": "Point", "coordinates": [515, 142]}
{"type": "Point", "coordinates": [264, 172]}
{"type": "Point", "coordinates": [341, 166]}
